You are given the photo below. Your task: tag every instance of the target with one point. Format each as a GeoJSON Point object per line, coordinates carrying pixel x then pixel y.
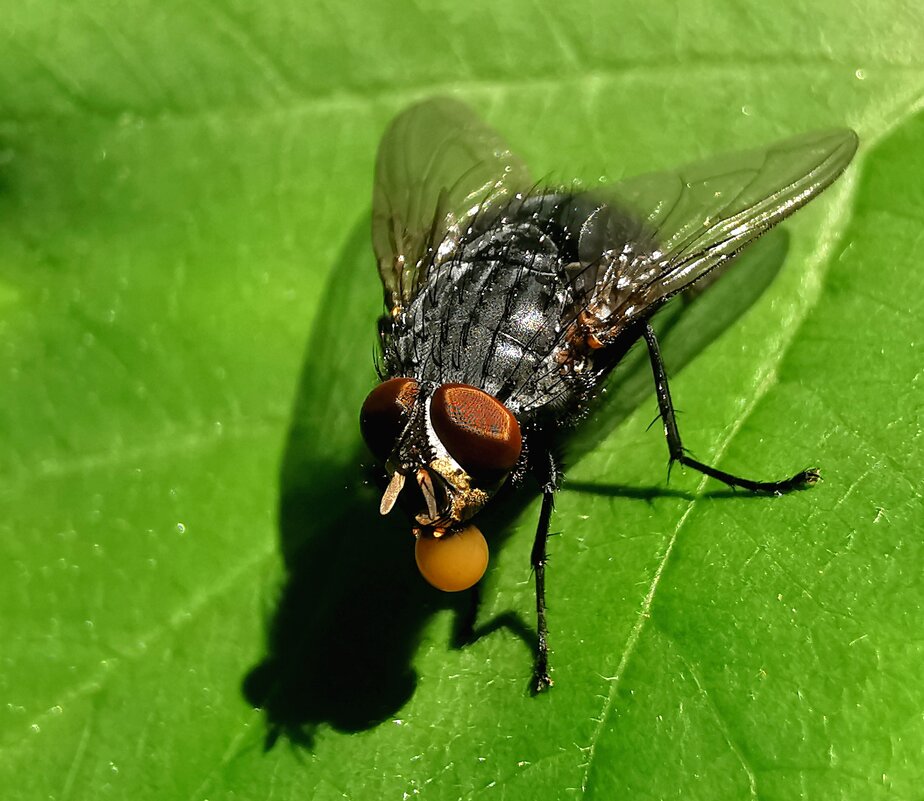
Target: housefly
{"type": "Point", "coordinates": [508, 303]}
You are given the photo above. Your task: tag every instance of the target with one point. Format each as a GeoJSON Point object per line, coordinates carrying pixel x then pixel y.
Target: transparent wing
{"type": "Point", "coordinates": [653, 235]}
{"type": "Point", "coordinates": [438, 166]}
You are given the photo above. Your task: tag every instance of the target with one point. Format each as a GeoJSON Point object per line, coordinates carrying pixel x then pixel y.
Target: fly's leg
{"type": "Point", "coordinates": [678, 454]}
{"type": "Point", "coordinates": [541, 679]}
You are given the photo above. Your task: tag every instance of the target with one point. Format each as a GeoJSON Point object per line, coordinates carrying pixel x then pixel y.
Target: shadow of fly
{"type": "Point", "coordinates": [508, 303]}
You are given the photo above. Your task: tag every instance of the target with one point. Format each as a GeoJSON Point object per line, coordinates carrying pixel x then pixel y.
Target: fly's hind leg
{"type": "Point", "coordinates": [677, 452]}
{"type": "Point", "coordinates": [541, 679]}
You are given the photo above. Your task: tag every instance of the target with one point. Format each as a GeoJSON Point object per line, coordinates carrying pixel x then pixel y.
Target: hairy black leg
{"type": "Point", "coordinates": [677, 452]}
{"type": "Point", "coordinates": [541, 678]}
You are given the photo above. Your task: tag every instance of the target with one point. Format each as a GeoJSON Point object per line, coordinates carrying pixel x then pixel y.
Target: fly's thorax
{"type": "Point", "coordinates": [455, 442]}
{"type": "Point", "coordinates": [491, 315]}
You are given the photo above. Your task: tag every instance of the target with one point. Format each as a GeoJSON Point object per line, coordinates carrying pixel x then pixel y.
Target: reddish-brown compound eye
{"type": "Point", "coordinates": [384, 414]}
{"type": "Point", "coordinates": [479, 432]}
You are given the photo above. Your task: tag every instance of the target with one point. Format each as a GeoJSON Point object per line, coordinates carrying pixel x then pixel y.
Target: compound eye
{"type": "Point", "coordinates": [479, 432]}
{"type": "Point", "coordinates": [385, 413]}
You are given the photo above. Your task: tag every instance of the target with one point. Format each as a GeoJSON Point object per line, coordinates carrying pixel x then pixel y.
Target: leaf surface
{"type": "Point", "coordinates": [187, 303]}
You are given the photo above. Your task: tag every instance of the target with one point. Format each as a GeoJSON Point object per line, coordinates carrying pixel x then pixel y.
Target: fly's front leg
{"type": "Point", "coordinates": [541, 679]}
{"type": "Point", "coordinates": [677, 452]}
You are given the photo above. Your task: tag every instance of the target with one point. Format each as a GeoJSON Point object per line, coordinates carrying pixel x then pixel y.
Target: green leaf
{"type": "Point", "coordinates": [187, 303]}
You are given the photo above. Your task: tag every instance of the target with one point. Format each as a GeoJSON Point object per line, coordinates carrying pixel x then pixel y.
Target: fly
{"type": "Point", "coordinates": [509, 303]}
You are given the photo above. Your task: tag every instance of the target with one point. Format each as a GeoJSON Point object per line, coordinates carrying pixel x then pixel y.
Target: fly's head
{"type": "Point", "coordinates": [454, 445]}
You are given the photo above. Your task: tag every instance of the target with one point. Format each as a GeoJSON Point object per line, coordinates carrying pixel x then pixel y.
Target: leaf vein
{"type": "Point", "coordinates": [350, 97]}
{"type": "Point", "coordinates": [177, 621]}
{"type": "Point", "coordinates": [722, 723]}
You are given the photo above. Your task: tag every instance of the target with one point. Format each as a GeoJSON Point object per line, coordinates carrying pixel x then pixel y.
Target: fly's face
{"type": "Point", "coordinates": [454, 441]}
{"type": "Point", "coordinates": [454, 445]}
